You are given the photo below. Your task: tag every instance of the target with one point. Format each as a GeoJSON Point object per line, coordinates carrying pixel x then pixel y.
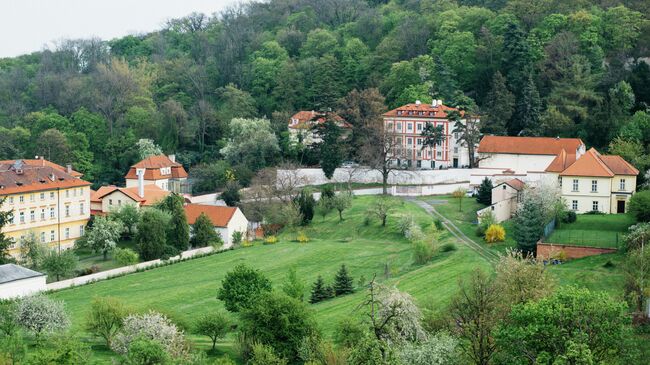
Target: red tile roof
{"type": "Point", "coordinates": [422, 110]}
{"type": "Point", "coordinates": [305, 119]}
{"type": "Point", "coordinates": [40, 162]}
{"type": "Point", "coordinates": [152, 194]}
{"type": "Point", "coordinates": [561, 162]}
{"type": "Point", "coordinates": [22, 176]}
{"type": "Point", "coordinates": [515, 184]}
{"type": "Point", "coordinates": [594, 164]}
{"type": "Point", "coordinates": [220, 216]}
{"type": "Point", "coordinates": [152, 166]}
{"type": "Point", "coordinates": [528, 145]}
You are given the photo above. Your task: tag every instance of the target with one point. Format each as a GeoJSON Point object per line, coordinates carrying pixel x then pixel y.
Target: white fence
{"type": "Point", "coordinates": [81, 280]}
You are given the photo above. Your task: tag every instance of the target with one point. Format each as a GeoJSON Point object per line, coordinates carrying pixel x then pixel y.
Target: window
{"type": "Point", "coordinates": [67, 210]}
{"type": "Point", "coordinates": [399, 126]}
{"type": "Point", "coordinates": [504, 186]}
{"type": "Point", "coordinates": [574, 205]}
{"type": "Point", "coordinates": [74, 192]}
{"type": "Point", "coordinates": [455, 149]}
{"type": "Point", "coordinates": [32, 215]}
{"type": "Point", "coordinates": [559, 180]}
{"type": "Point", "coordinates": [31, 197]}
{"type": "Point", "coordinates": [439, 154]}
{"type": "Point", "coordinates": [82, 210]}
{"type": "Point", "coordinates": [51, 195]}
{"type": "Point", "coordinates": [51, 213]}
{"type": "Point", "coordinates": [110, 201]}
{"type": "Point", "coordinates": [42, 237]}
{"type": "Point", "coordinates": [398, 140]}
{"type": "Point", "coordinates": [409, 141]}
{"type": "Point", "coordinates": [21, 199]}
{"type": "Point", "coordinates": [455, 135]}
{"type": "Point", "coordinates": [409, 126]}
{"type": "Point", "coordinates": [419, 163]}
{"type": "Point", "coordinates": [11, 200]}
{"type": "Point", "coordinates": [42, 196]}
{"type": "Point", "coordinates": [419, 126]}
{"type": "Point", "coordinates": [419, 140]}
{"type": "Point", "coordinates": [22, 217]}
{"type": "Point", "coordinates": [594, 206]}
{"type": "Point", "coordinates": [419, 153]}
{"type": "Point", "coordinates": [81, 230]}
{"type": "Point", "coordinates": [52, 236]}
{"type": "Point", "coordinates": [43, 214]}
{"type": "Point", "coordinates": [389, 125]}
{"type": "Point", "coordinates": [622, 185]}
{"type": "Point", "coordinates": [594, 186]}
{"type": "Point", "coordinates": [575, 185]}
{"type": "Point", "coordinates": [67, 193]}
{"type": "Point", "coordinates": [66, 232]}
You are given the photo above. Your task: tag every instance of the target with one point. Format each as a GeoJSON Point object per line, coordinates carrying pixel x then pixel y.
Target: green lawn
{"type": "Point", "coordinates": [598, 230]}
{"type": "Point", "coordinates": [187, 289]}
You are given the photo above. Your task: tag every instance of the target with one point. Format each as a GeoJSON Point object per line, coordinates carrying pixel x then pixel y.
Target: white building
{"type": "Point", "coordinates": [408, 122]}
{"type": "Point", "coordinates": [226, 220]}
{"type": "Point", "coordinates": [302, 125]}
{"type": "Point", "coordinates": [506, 195]}
{"type": "Point", "coordinates": [525, 155]}
{"type": "Point", "coordinates": [162, 171]}
{"type": "Point", "coordinates": [111, 197]}
{"type": "Point", "coordinates": [17, 281]}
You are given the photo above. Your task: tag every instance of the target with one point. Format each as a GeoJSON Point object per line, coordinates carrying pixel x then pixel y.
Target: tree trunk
{"type": "Point", "coordinates": [340, 216]}
{"type": "Point", "coordinates": [384, 181]}
{"type": "Point", "coordinates": [105, 255]}
{"type": "Point", "coordinates": [383, 221]}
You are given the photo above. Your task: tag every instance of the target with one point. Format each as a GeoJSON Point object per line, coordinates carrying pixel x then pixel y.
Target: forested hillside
{"type": "Point", "coordinates": [547, 67]}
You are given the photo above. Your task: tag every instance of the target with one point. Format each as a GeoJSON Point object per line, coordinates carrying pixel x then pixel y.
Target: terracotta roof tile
{"type": "Point", "coordinates": [618, 165]}
{"type": "Point", "coordinates": [589, 164]}
{"type": "Point", "coordinates": [422, 110]}
{"type": "Point", "coordinates": [152, 166]}
{"type": "Point", "coordinates": [515, 184]}
{"type": "Point", "coordinates": [305, 119]}
{"type": "Point", "coordinates": [18, 176]}
{"type": "Point", "coordinates": [529, 145]}
{"type": "Point", "coordinates": [42, 163]}
{"type": "Point", "coordinates": [219, 215]}
{"type": "Point", "coordinates": [152, 194]}
{"type": "Point", "coordinates": [561, 162]}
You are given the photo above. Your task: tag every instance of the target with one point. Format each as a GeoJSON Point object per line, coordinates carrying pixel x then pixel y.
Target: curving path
{"type": "Point", "coordinates": [486, 253]}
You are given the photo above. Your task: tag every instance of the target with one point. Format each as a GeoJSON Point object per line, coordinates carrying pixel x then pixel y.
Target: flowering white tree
{"type": "Point", "coordinates": [103, 236]}
{"type": "Point", "coordinates": [548, 195]}
{"type": "Point", "coordinates": [147, 148]}
{"type": "Point", "coordinates": [39, 315]}
{"type": "Point", "coordinates": [153, 326]}
{"type": "Point", "coordinates": [440, 349]}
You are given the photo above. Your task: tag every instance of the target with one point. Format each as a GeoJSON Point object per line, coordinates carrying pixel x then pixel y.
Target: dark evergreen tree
{"type": "Point", "coordinates": [203, 233]}
{"type": "Point", "coordinates": [331, 152]}
{"type": "Point", "coordinates": [485, 192]}
{"type": "Point", "coordinates": [231, 194]}
{"type": "Point", "coordinates": [151, 236]}
{"type": "Point", "coordinates": [178, 231]}
{"type": "Point", "coordinates": [319, 291]}
{"type": "Point", "coordinates": [306, 204]}
{"type": "Point", "coordinates": [525, 120]}
{"type": "Point", "coordinates": [529, 225]}
{"type": "Point", "coordinates": [499, 106]}
{"type": "Point", "coordinates": [343, 282]}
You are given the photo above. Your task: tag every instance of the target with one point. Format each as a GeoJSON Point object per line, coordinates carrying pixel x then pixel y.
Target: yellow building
{"type": "Point", "coordinates": [49, 200]}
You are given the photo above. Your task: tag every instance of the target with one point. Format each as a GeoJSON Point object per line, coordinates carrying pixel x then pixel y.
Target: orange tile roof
{"type": "Point", "coordinates": [561, 162]}
{"type": "Point", "coordinates": [152, 166]}
{"type": "Point", "coordinates": [528, 145]}
{"type": "Point", "coordinates": [305, 119]}
{"type": "Point", "coordinates": [219, 215]}
{"type": "Point", "coordinates": [152, 194]}
{"type": "Point", "coordinates": [515, 184]}
{"type": "Point", "coordinates": [590, 164]}
{"type": "Point", "coordinates": [618, 165]}
{"type": "Point", "coordinates": [40, 162]}
{"type": "Point", "coordinates": [414, 109]}
{"type": "Point", "coordinates": [19, 176]}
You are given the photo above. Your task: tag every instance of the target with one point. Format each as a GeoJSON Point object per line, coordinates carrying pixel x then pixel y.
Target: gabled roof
{"type": "Point", "coordinates": [529, 145]}
{"type": "Point", "coordinates": [306, 119]}
{"type": "Point", "coordinates": [421, 110]}
{"type": "Point", "coordinates": [11, 272]}
{"type": "Point", "coordinates": [152, 166]}
{"type": "Point", "coordinates": [514, 183]}
{"type": "Point", "coordinates": [152, 194]}
{"type": "Point", "coordinates": [618, 165]}
{"type": "Point", "coordinates": [561, 161]}
{"type": "Point", "coordinates": [22, 176]}
{"type": "Point", "coordinates": [590, 164]}
{"type": "Point", "coordinates": [220, 216]}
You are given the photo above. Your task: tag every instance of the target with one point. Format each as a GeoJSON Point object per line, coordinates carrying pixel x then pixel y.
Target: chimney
{"type": "Point", "coordinates": [434, 103]}
{"type": "Point", "coordinates": [418, 102]}
{"type": "Point", "coordinates": [140, 174]}
{"type": "Point", "coordinates": [439, 102]}
{"type": "Point", "coordinates": [172, 158]}
{"type": "Point", "coordinates": [68, 168]}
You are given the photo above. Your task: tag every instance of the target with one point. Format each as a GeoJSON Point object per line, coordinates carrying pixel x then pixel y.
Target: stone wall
{"type": "Point", "coordinates": [547, 250]}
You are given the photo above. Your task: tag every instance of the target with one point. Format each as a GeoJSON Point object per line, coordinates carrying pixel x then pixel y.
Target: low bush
{"type": "Point", "coordinates": [302, 237]}
{"type": "Point", "coordinates": [639, 206]}
{"type": "Point", "coordinates": [404, 224]}
{"type": "Point", "coordinates": [495, 233]}
{"type": "Point", "coordinates": [125, 256]}
{"type": "Point", "coordinates": [485, 220]}
{"type": "Point", "coordinates": [569, 217]}
{"type": "Point", "coordinates": [247, 243]}
{"type": "Point", "coordinates": [448, 247]}
{"type": "Point", "coordinates": [594, 212]}
{"type": "Point", "coordinates": [422, 252]}
{"type": "Point", "coordinates": [438, 224]}
{"type": "Point", "coordinates": [414, 233]}
{"type": "Point", "coordinates": [271, 240]}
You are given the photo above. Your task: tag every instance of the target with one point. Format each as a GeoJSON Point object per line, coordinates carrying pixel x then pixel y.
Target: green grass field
{"type": "Point", "coordinates": [187, 289]}
{"type": "Point", "coordinates": [598, 230]}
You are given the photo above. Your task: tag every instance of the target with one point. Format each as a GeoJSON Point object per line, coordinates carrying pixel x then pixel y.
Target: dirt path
{"type": "Point", "coordinates": [486, 253]}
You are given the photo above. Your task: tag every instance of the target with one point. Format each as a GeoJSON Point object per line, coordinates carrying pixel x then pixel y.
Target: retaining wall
{"type": "Point", "coordinates": [548, 250]}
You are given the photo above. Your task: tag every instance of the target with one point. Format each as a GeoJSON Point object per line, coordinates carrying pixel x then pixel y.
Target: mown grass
{"type": "Point", "coordinates": [598, 230]}
{"type": "Point", "coordinates": [185, 290]}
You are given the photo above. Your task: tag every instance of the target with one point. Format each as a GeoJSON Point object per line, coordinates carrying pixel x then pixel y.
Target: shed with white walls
{"type": "Point", "coordinates": [17, 281]}
{"type": "Point", "coordinates": [226, 220]}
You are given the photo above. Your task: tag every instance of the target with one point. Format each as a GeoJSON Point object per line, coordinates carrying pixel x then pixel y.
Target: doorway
{"type": "Point", "coordinates": [455, 163]}
{"type": "Point", "coordinates": [620, 206]}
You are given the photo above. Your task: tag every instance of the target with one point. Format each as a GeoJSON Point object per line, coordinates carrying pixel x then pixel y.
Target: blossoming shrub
{"type": "Point", "coordinates": [151, 326]}
{"type": "Point", "coordinates": [495, 233]}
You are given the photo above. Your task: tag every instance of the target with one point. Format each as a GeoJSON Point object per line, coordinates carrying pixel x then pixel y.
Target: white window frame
{"type": "Point", "coordinates": [574, 186]}
{"type": "Point", "coordinates": [594, 206]}
{"type": "Point", "coordinates": [574, 205]}
{"type": "Point", "coordinates": [594, 186]}
{"type": "Point", "coordinates": [621, 184]}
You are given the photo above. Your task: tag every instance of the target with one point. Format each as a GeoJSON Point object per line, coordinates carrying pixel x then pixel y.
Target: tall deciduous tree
{"type": "Point", "coordinates": [60, 263]}
{"type": "Point", "coordinates": [468, 129]}
{"type": "Point", "coordinates": [381, 151]}
{"type": "Point", "coordinates": [241, 287]}
{"type": "Point", "coordinates": [251, 143]}
{"type": "Point", "coordinates": [105, 318]}
{"type": "Point", "coordinates": [103, 236]}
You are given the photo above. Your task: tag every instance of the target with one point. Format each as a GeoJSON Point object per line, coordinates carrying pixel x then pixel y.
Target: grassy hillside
{"type": "Point", "coordinates": [184, 290]}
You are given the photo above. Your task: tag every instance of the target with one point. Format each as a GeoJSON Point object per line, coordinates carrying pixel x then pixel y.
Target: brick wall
{"type": "Point", "coordinates": [546, 250]}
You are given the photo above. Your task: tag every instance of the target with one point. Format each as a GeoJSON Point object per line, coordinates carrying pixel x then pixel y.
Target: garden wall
{"type": "Point", "coordinates": [547, 250]}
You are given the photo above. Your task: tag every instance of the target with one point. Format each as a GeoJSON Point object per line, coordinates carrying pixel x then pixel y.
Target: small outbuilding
{"type": "Point", "coordinates": [17, 281]}
{"type": "Point", "coordinates": [226, 220]}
